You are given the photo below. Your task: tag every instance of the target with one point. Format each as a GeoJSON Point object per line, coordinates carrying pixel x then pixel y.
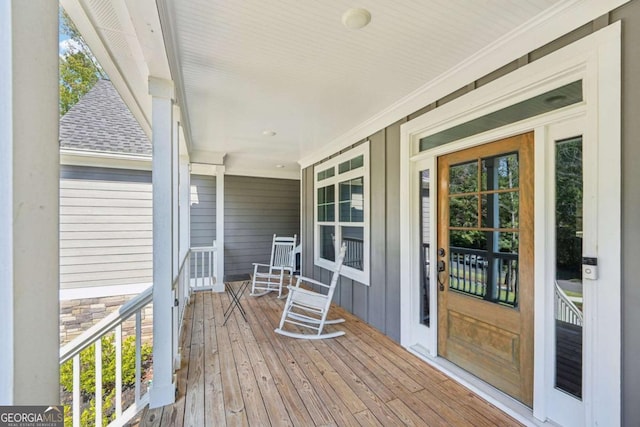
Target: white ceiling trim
{"type": "Point", "coordinates": [266, 173]}
{"type": "Point", "coordinates": [104, 159]}
{"type": "Point", "coordinates": [207, 157]}
{"type": "Point", "coordinates": [544, 28]}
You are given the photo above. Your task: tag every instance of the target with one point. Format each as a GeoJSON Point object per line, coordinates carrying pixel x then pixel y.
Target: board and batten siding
{"type": "Point", "coordinates": [379, 303]}
{"type": "Point", "coordinates": [255, 209]}
{"type": "Point", "coordinates": [105, 227]}
{"type": "Point", "coordinates": [203, 210]}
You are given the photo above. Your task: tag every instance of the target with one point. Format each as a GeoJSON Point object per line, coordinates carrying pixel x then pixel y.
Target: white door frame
{"type": "Point", "coordinates": [595, 60]}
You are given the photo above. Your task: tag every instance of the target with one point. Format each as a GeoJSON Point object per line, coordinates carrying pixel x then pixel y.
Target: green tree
{"type": "Point", "coordinates": [569, 198]}
{"type": "Point", "coordinates": [79, 70]}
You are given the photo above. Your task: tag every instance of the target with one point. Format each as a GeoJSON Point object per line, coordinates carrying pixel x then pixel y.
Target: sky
{"type": "Point", "coordinates": [64, 44]}
{"type": "Point", "coordinates": [63, 41]}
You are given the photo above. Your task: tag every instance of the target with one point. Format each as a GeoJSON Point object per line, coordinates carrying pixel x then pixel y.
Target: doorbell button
{"type": "Point", "coordinates": [589, 272]}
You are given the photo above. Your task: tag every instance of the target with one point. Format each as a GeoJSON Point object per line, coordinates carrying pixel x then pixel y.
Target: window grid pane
{"type": "Point", "coordinates": [327, 247]}
{"type": "Point", "coordinates": [353, 237]}
{"type": "Point", "coordinates": [327, 173]}
{"type": "Point", "coordinates": [349, 165]}
{"type": "Point", "coordinates": [352, 200]}
{"type": "Point", "coordinates": [340, 213]}
{"type": "Point", "coordinates": [326, 203]}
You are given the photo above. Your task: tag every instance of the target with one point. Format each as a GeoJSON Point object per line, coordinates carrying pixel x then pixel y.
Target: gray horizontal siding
{"type": "Point", "coordinates": [203, 210]}
{"type": "Point", "coordinates": [106, 235]}
{"type": "Point", "coordinates": [255, 210]}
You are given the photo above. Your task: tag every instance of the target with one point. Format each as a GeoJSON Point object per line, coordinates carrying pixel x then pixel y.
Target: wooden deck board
{"type": "Point", "coordinates": [214, 398]}
{"type": "Point", "coordinates": [194, 400]}
{"type": "Point", "coordinates": [297, 388]}
{"type": "Point", "coordinates": [328, 397]}
{"type": "Point", "coordinates": [233, 400]}
{"type": "Point", "coordinates": [275, 363]}
{"type": "Point", "coordinates": [244, 374]}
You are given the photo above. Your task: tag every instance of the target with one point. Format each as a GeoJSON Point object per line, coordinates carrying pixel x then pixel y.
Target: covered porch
{"type": "Point", "coordinates": [243, 373]}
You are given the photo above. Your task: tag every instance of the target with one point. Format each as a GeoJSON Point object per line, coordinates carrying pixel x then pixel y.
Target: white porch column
{"type": "Point", "coordinates": [175, 179]}
{"type": "Point", "coordinates": [184, 193]}
{"type": "Point", "coordinates": [163, 389]}
{"type": "Point", "coordinates": [29, 211]}
{"type": "Point", "coordinates": [219, 286]}
{"type": "Point", "coordinates": [185, 205]}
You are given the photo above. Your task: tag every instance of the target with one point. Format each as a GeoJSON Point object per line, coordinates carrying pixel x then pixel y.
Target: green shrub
{"type": "Point", "coordinates": [87, 376]}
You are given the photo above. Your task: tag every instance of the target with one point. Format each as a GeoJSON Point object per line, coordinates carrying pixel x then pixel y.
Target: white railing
{"type": "Point", "coordinates": [181, 294]}
{"type": "Point", "coordinates": [197, 272]}
{"type": "Point", "coordinates": [113, 323]}
{"type": "Point", "coordinates": [566, 310]}
{"type": "Point", "coordinates": [355, 252]}
{"type": "Point", "coordinates": [203, 267]}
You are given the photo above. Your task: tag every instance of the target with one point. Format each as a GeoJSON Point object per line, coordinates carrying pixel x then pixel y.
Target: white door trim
{"type": "Point", "coordinates": [596, 60]}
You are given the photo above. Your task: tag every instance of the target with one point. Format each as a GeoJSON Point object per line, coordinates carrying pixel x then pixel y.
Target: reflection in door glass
{"type": "Point", "coordinates": [484, 228]}
{"type": "Point", "coordinates": [463, 178]}
{"type": "Point", "coordinates": [569, 304]}
{"type": "Point", "coordinates": [425, 240]}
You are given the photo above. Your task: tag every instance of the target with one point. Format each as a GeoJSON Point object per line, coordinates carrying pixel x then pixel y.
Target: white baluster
{"type": "Point", "coordinates": [76, 390]}
{"type": "Point", "coordinates": [138, 354]}
{"type": "Point", "coordinates": [118, 370]}
{"type": "Point", "coordinates": [98, 400]}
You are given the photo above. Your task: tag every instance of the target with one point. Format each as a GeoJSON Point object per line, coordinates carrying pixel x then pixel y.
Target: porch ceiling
{"type": "Point", "coordinates": [241, 68]}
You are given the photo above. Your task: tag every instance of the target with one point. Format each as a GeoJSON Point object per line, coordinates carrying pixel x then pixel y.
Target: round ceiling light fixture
{"type": "Point", "coordinates": [356, 18]}
{"type": "Point", "coordinates": [279, 166]}
{"type": "Point", "coordinates": [269, 132]}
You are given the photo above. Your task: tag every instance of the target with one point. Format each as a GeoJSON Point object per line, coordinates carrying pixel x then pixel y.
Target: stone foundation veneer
{"type": "Point", "coordinates": [78, 315]}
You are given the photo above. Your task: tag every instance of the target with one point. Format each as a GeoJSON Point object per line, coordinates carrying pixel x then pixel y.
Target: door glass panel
{"type": "Point", "coordinates": [483, 252]}
{"type": "Point", "coordinates": [463, 211]}
{"type": "Point", "coordinates": [463, 178]}
{"type": "Point", "coordinates": [425, 244]}
{"type": "Point", "coordinates": [569, 304]}
{"type": "Point", "coordinates": [504, 212]}
{"type": "Point", "coordinates": [505, 167]}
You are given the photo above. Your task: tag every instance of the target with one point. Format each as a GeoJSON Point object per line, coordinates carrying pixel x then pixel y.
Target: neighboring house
{"type": "Point", "coordinates": [531, 292]}
{"type": "Point", "coordinates": [105, 209]}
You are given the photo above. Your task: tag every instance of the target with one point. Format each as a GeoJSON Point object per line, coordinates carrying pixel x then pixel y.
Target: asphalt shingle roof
{"type": "Point", "coordinates": [101, 121]}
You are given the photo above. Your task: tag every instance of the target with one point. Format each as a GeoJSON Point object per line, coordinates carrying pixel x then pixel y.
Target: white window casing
{"type": "Point", "coordinates": [342, 212]}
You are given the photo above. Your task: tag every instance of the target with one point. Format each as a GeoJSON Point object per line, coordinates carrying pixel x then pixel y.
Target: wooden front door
{"type": "Point", "coordinates": [485, 263]}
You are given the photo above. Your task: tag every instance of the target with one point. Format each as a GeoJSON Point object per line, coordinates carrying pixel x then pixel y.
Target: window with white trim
{"type": "Point", "coordinates": [341, 188]}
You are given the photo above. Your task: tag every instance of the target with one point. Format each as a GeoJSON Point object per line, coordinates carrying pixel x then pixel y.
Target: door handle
{"type": "Point", "coordinates": [441, 268]}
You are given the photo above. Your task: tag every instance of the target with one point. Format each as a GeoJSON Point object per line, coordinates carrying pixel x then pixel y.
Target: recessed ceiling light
{"type": "Point", "coordinates": [269, 132]}
{"type": "Point", "coordinates": [279, 166]}
{"type": "Point", "coordinates": [356, 18]}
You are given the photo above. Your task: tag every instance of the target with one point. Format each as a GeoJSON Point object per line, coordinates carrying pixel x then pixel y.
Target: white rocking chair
{"type": "Point", "coordinates": [270, 277]}
{"type": "Point", "coordinates": [309, 309]}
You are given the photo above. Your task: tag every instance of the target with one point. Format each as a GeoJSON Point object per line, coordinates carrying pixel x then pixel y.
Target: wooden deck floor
{"type": "Point", "coordinates": [245, 374]}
